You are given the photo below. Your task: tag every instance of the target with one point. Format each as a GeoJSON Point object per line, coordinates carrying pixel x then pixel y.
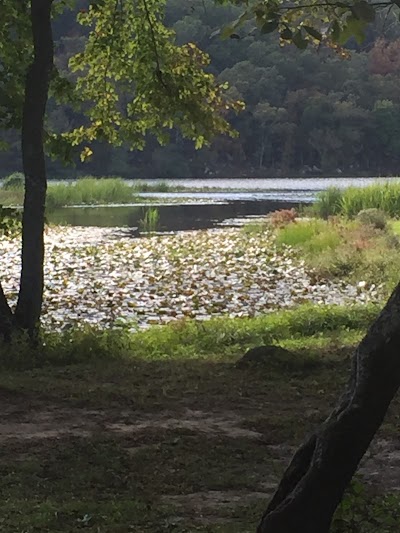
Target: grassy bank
{"type": "Point", "coordinates": [87, 191]}
{"type": "Point", "coordinates": [93, 191]}
{"type": "Point", "coordinates": [160, 431]}
{"type": "Point", "coordinates": [219, 337]}
{"type": "Point", "coordinates": [90, 191]}
{"type": "Point", "coordinates": [348, 250]}
{"type": "Point", "coordinates": [349, 202]}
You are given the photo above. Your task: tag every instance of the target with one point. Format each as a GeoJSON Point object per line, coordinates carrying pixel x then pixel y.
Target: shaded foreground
{"type": "Point", "coordinates": [153, 443]}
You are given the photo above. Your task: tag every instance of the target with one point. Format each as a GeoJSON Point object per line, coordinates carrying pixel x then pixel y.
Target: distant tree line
{"type": "Point", "coordinates": [305, 113]}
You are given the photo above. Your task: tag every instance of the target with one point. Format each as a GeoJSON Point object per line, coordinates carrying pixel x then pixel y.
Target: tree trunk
{"type": "Point", "coordinates": [313, 484]}
{"type": "Point", "coordinates": [30, 297]}
{"type": "Point", "coordinates": [6, 317]}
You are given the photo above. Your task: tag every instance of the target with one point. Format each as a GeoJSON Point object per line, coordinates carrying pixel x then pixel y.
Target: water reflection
{"type": "Point", "coordinates": [172, 217]}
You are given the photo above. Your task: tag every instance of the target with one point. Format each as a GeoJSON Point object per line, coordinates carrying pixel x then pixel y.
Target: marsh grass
{"type": "Point", "coordinates": [88, 191]}
{"type": "Point", "coordinates": [310, 235]}
{"type": "Point", "coordinates": [349, 202]}
{"type": "Point", "coordinates": [346, 249]}
{"type": "Point", "coordinates": [159, 186]}
{"type": "Point", "coordinates": [150, 221]}
{"type": "Point", "coordinates": [14, 182]}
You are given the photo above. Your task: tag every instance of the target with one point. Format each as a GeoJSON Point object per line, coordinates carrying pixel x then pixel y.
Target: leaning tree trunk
{"type": "Point", "coordinates": [321, 469]}
{"type": "Point", "coordinates": [30, 297]}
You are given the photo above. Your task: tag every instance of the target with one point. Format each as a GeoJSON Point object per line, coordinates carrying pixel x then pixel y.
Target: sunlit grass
{"type": "Point", "coordinates": [311, 235]}
{"type": "Point", "coordinates": [345, 249]}
{"type": "Point", "coordinates": [349, 202]}
{"type": "Point", "coordinates": [89, 191]}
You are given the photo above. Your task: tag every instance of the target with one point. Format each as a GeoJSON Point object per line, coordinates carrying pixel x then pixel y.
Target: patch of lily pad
{"type": "Point", "coordinates": [106, 277]}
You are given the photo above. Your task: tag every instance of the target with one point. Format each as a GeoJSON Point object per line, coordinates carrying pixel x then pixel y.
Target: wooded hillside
{"type": "Point", "coordinates": [306, 112]}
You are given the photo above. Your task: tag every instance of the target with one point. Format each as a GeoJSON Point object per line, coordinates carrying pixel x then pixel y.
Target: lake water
{"type": "Point", "coordinates": [273, 184]}
{"type": "Point", "coordinates": [172, 217]}
{"type": "Point", "coordinates": [239, 198]}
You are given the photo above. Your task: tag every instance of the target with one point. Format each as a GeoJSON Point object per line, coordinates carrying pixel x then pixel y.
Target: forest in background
{"type": "Point", "coordinates": [306, 112]}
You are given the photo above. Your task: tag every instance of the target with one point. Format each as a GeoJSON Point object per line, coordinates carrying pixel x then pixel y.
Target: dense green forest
{"type": "Point", "coordinates": [306, 112]}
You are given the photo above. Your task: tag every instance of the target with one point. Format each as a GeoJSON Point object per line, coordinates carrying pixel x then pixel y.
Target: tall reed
{"type": "Point", "coordinates": [349, 202]}
{"type": "Point", "coordinates": [89, 191]}
{"type": "Point", "coordinates": [150, 221]}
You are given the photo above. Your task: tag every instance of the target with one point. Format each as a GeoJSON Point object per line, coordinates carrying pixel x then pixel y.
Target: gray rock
{"type": "Point", "coordinates": [264, 355]}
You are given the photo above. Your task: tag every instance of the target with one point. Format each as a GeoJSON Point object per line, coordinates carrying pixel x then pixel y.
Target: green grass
{"type": "Point", "coordinates": [159, 186]}
{"type": "Point", "coordinates": [345, 249]}
{"type": "Point", "coordinates": [395, 226]}
{"type": "Point", "coordinates": [150, 221]}
{"type": "Point", "coordinates": [220, 338]}
{"type": "Point", "coordinates": [89, 191]}
{"type": "Point", "coordinates": [159, 431]}
{"type": "Point", "coordinates": [311, 235]}
{"type": "Point", "coordinates": [86, 191]}
{"type": "Point", "coordinates": [349, 202]}
{"type": "Point", "coordinates": [255, 228]}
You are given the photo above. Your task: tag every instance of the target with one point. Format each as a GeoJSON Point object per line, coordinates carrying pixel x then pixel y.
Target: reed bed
{"type": "Point", "coordinates": [89, 191]}
{"type": "Point", "coordinates": [349, 202]}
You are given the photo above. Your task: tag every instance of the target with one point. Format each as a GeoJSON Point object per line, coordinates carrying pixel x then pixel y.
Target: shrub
{"type": "Point", "coordinates": [10, 221]}
{"type": "Point", "coordinates": [14, 181]}
{"type": "Point", "coordinates": [373, 217]}
{"type": "Point", "coordinates": [282, 217]}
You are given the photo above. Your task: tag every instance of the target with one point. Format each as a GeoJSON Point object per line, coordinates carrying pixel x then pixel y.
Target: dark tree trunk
{"type": "Point", "coordinates": [29, 303]}
{"type": "Point", "coordinates": [6, 317]}
{"type": "Point", "coordinates": [321, 469]}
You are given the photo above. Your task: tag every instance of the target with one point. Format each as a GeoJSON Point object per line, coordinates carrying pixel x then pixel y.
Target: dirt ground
{"type": "Point", "coordinates": [191, 446]}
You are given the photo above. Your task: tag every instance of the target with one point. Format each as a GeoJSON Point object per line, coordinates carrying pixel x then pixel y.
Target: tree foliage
{"type": "Point", "coordinates": [128, 80]}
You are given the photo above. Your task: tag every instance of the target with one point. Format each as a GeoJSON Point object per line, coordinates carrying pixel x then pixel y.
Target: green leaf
{"type": "Point", "coordinates": [227, 31]}
{"type": "Point", "coordinates": [287, 34]}
{"type": "Point", "coordinates": [269, 26]}
{"type": "Point", "coordinates": [246, 15]}
{"type": "Point", "coordinates": [354, 28]}
{"type": "Point", "coordinates": [299, 40]}
{"type": "Point", "coordinates": [313, 32]}
{"type": "Point", "coordinates": [363, 11]}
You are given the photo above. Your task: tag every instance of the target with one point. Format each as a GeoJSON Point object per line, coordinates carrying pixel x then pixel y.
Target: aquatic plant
{"type": "Point", "coordinates": [150, 221]}
{"type": "Point", "coordinates": [349, 202]}
{"type": "Point", "coordinates": [89, 191]}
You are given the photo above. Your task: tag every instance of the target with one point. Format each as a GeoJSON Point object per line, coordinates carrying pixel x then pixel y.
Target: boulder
{"type": "Point", "coordinates": [265, 355]}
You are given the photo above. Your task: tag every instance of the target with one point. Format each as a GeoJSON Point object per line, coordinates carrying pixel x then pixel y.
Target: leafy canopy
{"type": "Point", "coordinates": [309, 21]}
{"type": "Point", "coordinates": [129, 80]}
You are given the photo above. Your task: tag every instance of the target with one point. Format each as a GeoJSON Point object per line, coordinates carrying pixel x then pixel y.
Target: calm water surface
{"type": "Point", "coordinates": [172, 217]}
{"type": "Point", "coordinates": [274, 184]}
{"type": "Point", "coordinates": [239, 198]}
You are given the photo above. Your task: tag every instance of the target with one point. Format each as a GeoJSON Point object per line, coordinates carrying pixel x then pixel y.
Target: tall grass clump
{"type": "Point", "coordinates": [159, 186]}
{"type": "Point", "coordinates": [329, 202]}
{"type": "Point", "coordinates": [14, 182]}
{"type": "Point", "coordinates": [385, 197]}
{"type": "Point", "coordinates": [349, 202]}
{"type": "Point", "coordinates": [150, 221]}
{"type": "Point", "coordinates": [89, 191]}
